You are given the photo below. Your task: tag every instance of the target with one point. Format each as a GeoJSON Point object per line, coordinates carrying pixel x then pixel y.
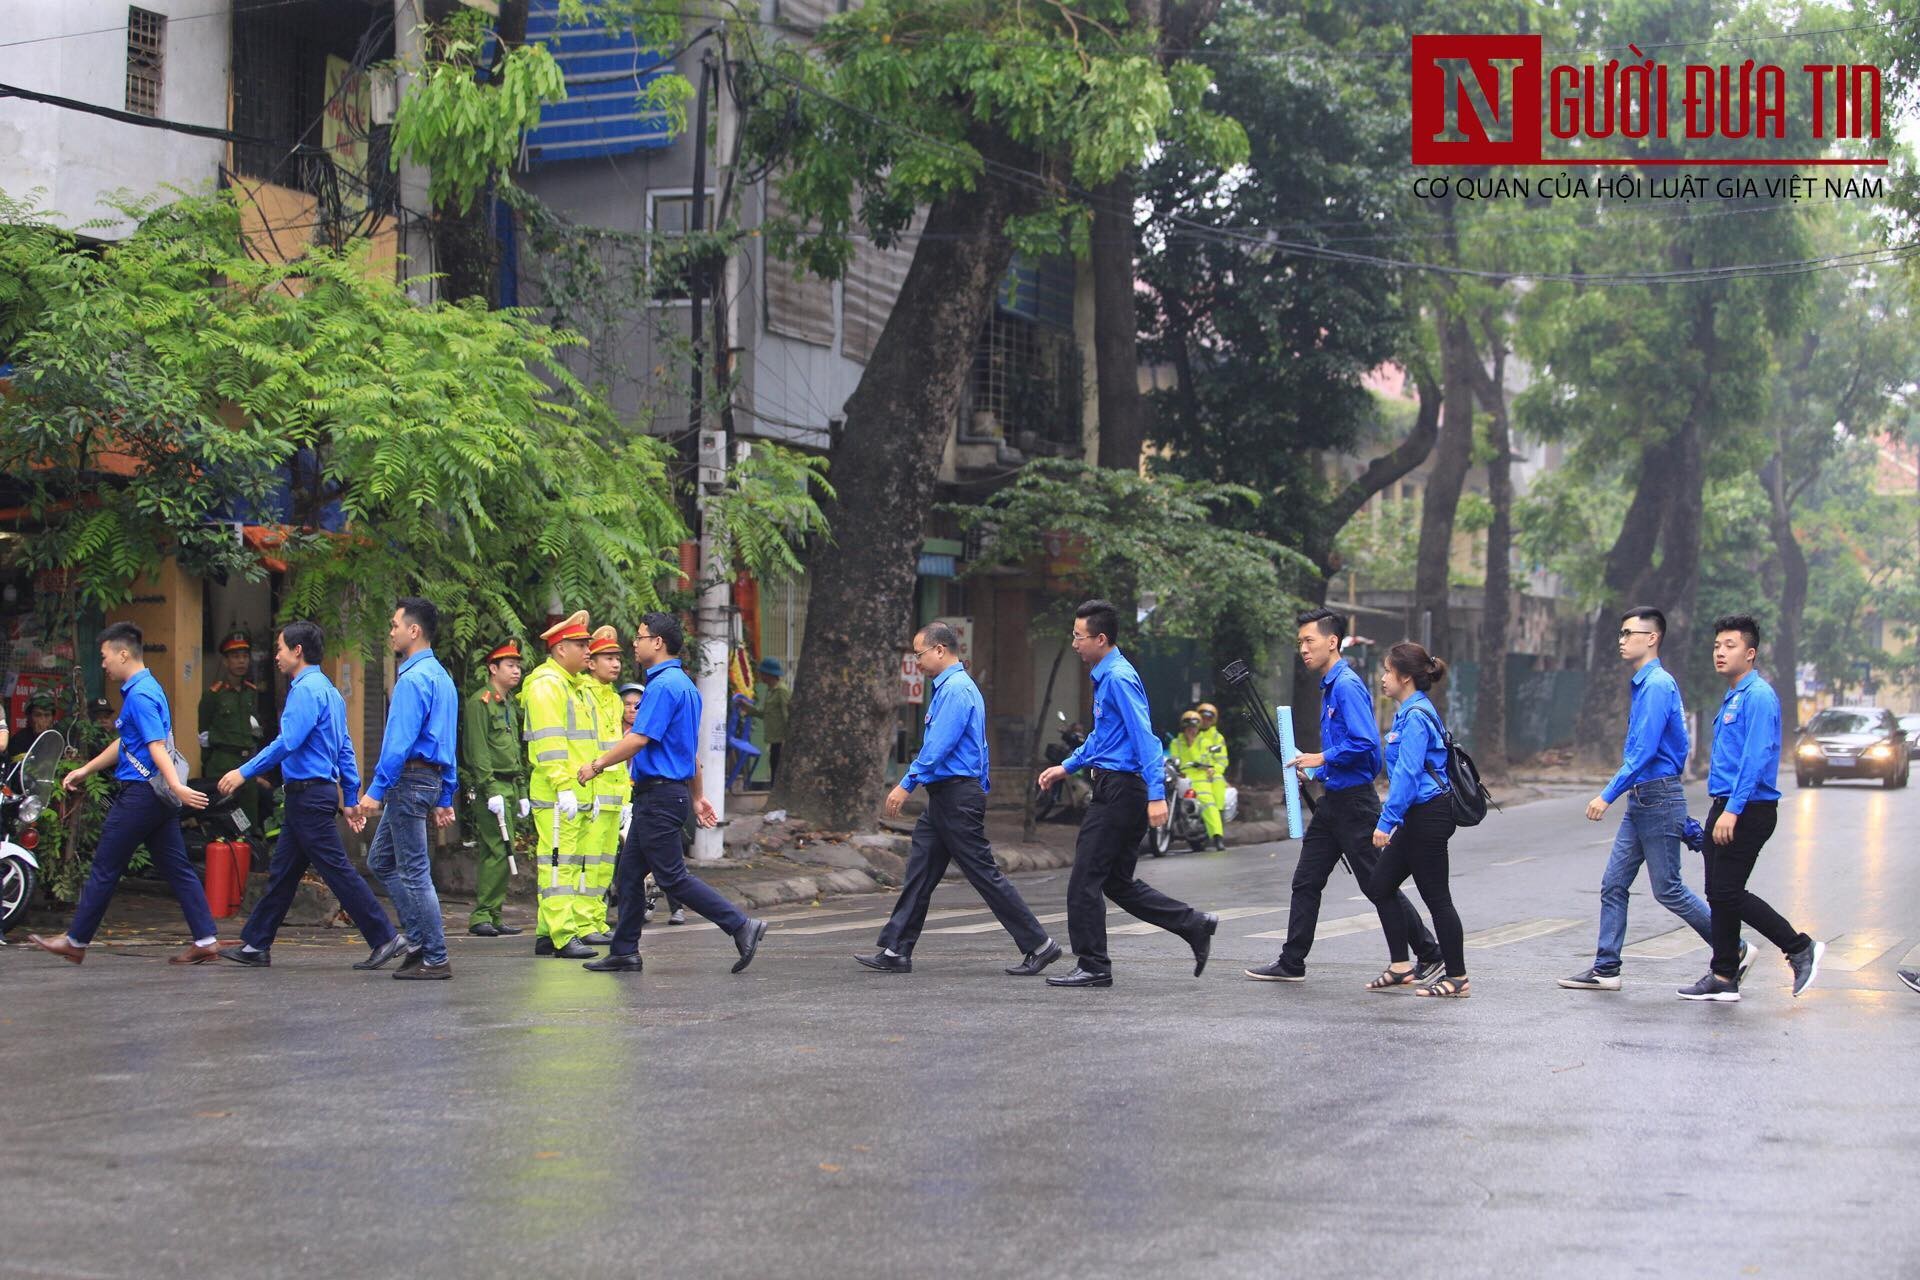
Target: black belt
{"type": "Point", "coordinates": [420, 766]}
{"type": "Point", "coordinates": [643, 785]}
{"type": "Point", "coordinates": [1098, 775]}
{"type": "Point", "coordinates": [294, 786]}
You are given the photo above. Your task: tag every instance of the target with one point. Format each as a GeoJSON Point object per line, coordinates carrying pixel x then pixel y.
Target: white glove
{"type": "Point", "coordinates": [568, 804]}
{"type": "Point", "coordinates": [204, 739]}
{"type": "Point", "coordinates": [497, 806]}
{"type": "Point", "coordinates": [626, 819]}
{"type": "Point", "coordinates": [526, 806]}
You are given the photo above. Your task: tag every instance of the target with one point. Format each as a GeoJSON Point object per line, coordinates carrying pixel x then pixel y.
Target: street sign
{"type": "Point", "coordinates": [912, 683]}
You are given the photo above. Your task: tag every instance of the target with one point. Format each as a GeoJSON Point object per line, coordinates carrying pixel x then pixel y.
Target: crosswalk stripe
{"type": "Point", "coordinates": [1670, 945]}
{"type": "Point", "coordinates": [989, 925]}
{"type": "Point", "coordinates": [1230, 913]}
{"type": "Point", "coordinates": [1514, 862]}
{"type": "Point", "coordinates": [1519, 931]}
{"type": "Point", "coordinates": [1338, 927]}
{"type": "Point", "coordinates": [791, 916]}
{"type": "Point", "coordinates": [872, 922]}
{"type": "Point", "coordinates": [1853, 951]}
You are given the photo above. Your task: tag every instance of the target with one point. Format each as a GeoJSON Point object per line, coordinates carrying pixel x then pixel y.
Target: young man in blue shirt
{"type": "Point", "coordinates": [1343, 821]}
{"type": "Point", "coordinates": [952, 767]}
{"type": "Point", "coordinates": [1652, 761]}
{"type": "Point", "coordinates": [415, 778]}
{"type": "Point", "coordinates": [1128, 796]}
{"type": "Point", "coordinates": [319, 777]}
{"type": "Point", "coordinates": [1746, 807]}
{"type": "Point", "coordinates": [663, 744]}
{"type": "Point", "coordinates": [139, 815]}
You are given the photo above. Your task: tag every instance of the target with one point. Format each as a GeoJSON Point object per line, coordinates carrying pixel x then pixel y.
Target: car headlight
{"type": "Point", "coordinates": [30, 810]}
{"type": "Point", "coordinates": [1809, 749]}
{"type": "Point", "coordinates": [1879, 751]}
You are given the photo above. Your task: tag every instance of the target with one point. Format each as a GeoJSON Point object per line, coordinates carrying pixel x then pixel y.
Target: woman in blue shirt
{"type": "Point", "coordinates": [1417, 820]}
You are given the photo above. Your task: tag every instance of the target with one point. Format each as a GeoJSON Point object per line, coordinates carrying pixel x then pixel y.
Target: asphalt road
{"type": "Point", "coordinates": [809, 1118]}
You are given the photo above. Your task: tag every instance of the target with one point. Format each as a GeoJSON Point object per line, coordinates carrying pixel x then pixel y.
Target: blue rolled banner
{"type": "Point", "coordinates": [1290, 779]}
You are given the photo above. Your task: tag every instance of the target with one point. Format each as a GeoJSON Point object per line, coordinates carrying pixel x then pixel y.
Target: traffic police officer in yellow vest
{"type": "Point", "coordinates": [561, 736]}
{"type": "Point", "coordinates": [493, 774]}
{"type": "Point", "coordinates": [230, 728]}
{"type": "Point", "coordinates": [602, 848]}
{"type": "Point", "coordinates": [1214, 743]}
{"type": "Point", "coordinates": [1195, 760]}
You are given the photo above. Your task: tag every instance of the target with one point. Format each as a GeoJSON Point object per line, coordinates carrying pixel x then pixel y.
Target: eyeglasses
{"type": "Point", "coordinates": [1629, 631]}
{"type": "Point", "coordinates": [920, 653]}
{"type": "Point", "coordinates": [638, 637]}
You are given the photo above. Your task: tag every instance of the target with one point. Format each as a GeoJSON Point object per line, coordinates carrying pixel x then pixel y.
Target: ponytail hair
{"type": "Point", "coordinates": [1414, 663]}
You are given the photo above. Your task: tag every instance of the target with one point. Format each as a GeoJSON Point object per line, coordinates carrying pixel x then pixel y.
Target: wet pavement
{"type": "Point", "coordinates": [809, 1118]}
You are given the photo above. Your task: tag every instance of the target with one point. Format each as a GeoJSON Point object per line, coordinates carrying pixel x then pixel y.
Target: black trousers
{"type": "Point", "coordinates": [1103, 858]}
{"type": "Point", "coordinates": [1419, 848]}
{"type": "Point", "coordinates": [1729, 902]}
{"type": "Point", "coordinates": [1344, 822]}
{"type": "Point", "coordinates": [953, 828]}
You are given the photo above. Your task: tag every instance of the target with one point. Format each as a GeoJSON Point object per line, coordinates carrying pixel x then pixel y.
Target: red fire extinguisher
{"type": "Point", "coordinates": [242, 868]}
{"type": "Point", "coordinates": [220, 879]}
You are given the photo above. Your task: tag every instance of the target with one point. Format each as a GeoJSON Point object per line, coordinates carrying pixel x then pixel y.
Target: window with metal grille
{"type": "Point", "coordinates": [146, 45]}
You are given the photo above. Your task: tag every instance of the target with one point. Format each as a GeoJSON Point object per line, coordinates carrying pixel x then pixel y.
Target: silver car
{"type": "Point", "coordinates": [1852, 742]}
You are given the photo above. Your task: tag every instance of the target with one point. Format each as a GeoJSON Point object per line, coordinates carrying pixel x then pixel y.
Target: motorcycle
{"type": "Point", "coordinates": [1068, 798]}
{"type": "Point", "coordinates": [22, 802]}
{"type": "Point", "coordinates": [1184, 821]}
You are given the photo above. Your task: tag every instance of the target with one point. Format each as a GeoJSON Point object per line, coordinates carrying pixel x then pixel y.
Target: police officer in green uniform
{"type": "Point", "coordinates": [42, 711]}
{"type": "Point", "coordinates": [230, 729]}
{"type": "Point", "coordinates": [493, 777]}
{"type": "Point", "coordinates": [88, 737]}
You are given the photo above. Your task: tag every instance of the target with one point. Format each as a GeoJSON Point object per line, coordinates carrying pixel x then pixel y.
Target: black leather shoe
{"type": "Point", "coordinates": [1082, 978]}
{"type": "Point", "coordinates": [506, 930]}
{"type": "Point", "coordinates": [396, 946]}
{"type": "Point", "coordinates": [1036, 960]}
{"type": "Point", "coordinates": [425, 972]}
{"type": "Point", "coordinates": [1277, 972]}
{"type": "Point", "coordinates": [543, 945]}
{"type": "Point", "coordinates": [881, 962]}
{"type": "Point", "coordinates": [574, 950]}
{"type": "Point", "coordinates": [747, 941]}
{"type": "Point", "coordinates": [484, 929]}
{"type": "Point", "coordinates": [600, 938]}
{"type": "Point", "coordinates": [414, 959]}
{"type": "Point", "coordinates": [251, 959]}
{"type": "Point", "coordinates": [1202, 942]}
{"type": "Point", "coordinates": [615, 964]}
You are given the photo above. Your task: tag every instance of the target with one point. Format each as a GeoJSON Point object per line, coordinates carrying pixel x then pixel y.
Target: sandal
{"type": "Point", "coordinates": [1393, 978]}
{"type": "Point", "coordinates": [1445, 989]}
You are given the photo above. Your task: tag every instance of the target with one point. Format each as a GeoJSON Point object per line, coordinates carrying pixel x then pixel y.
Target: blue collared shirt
{"type": "Point", "coordinates": [669, 719]}
{"type": "Point", "coordinates": [144, 718]}
{"type": "Point", "coordinates": [956, 741]}
{"type": "Point", "coordinates": [1656, 732]}
{"type": "Point", "coordinates": [313, 745]}
{"type": "Point", "coordinates": [1414, 746]}
{"type": "Point", "coordinates": [1746, 744]}
{"type": "Point", "coordinates": [1122, 739]}
{"type": "Point", "coordinates": [1349, 736]}
{"type": "Point", "coordinates": [423, 723]}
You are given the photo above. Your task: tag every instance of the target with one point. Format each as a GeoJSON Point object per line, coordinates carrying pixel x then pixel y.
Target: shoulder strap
{"type": "Point", "coordinates": [1446, 741]}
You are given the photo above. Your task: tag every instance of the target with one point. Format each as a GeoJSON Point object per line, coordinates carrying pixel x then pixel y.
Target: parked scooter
{"type": "Point", "coordinates": [1068, 798]}
{"type": "Point", "coordinates": [1184, 821]}
{"type": "Point", "coordinates": [23, 800]}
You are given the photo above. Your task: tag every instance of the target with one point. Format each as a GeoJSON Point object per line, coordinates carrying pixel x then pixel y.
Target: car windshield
{"type": "Point", "coordinates": [1832, 721]}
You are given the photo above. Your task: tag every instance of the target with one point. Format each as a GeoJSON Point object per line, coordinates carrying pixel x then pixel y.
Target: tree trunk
{"type": "Point", "coordinates": [1490, 708]}
{"type": "Point", "coordinates": [1453, 455]}
{"type": "Point", "coordinates": [1116, 354]}
{"type": "Point", "coordinates": [1785, 659]}
{"type": "Point", "coordinates": [860, 604]}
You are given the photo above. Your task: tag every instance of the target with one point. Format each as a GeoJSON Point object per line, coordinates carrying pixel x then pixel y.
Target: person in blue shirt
{"type": "Point", "coordinates": [1650, 777]}
{"type": "Point", "coordinates": [952, 769]}
{"type": "Point", "coordinates": [1129, 795]}
{"type": "Point", "coordinates": [1746, 807]}
{"type": "Point", "coordinates": [414, 779]}
{"type": "Point", "coordinates": [139, 814]}
{"type": "Point", "coordinates": [319, 777]}
{"type": "Point", "coordinates": [663, 745]}
{"type": "Point", "coordinates": [1416, 822]}
{"type": "Point", "coordinates": [1343, 821]}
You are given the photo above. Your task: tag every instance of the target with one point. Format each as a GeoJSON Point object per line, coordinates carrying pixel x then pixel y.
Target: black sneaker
{"type": "Point", "coordinates": [1747, 956]}
{"type": "Point", "coordinates": [1277, 972]}
{"type": "Point", "coordinates": [1592, 980]}
{"type": "Point", "coordinates": [1806, 965]}
{"type": "Point", "coordinates": [1911, 978]}
{"type": "Point", "coordinates": [1713, 987]}
{"type": "Point", "coordinates": [1427, 970]}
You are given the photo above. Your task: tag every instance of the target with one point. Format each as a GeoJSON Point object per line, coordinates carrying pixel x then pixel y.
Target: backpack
{"type": "Point", "coordinates": [1470, 798]}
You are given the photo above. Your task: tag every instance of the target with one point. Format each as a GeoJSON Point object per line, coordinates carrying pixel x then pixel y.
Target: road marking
{"type": "Point", "coordinates": [988, 926]}
{"type": "Point", "coordinates": [874, 922]}
{"type": "Point", "coordinates": [1670, 945]}
{"type": "Point", "coordinates": [791, 916]}
{"type": "Point", "coordinates": [1338, 927]}
{"type": "Point", "coordinates": [1520, 931]}
{"type": "Point", "coordinates": [1514, 862]}
{"type": "Point", "coordinates": [1853, 951]}
{"type": "Point", "coordinates": [1231, 913]}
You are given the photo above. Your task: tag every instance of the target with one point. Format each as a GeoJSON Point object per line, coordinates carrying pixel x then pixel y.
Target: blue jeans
{"type": "Point", "coordinates": [1649, 833]}
{"type": "Point", "coordinates": [309, 837]}
{"type": "Point", "coordinates": [399, 857]}
{"type": "Point", "coordinates": [138, 817]}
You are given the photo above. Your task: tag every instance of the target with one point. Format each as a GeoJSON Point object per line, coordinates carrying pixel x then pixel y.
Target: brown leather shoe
{"type": "Point", "coordinates": [196, 955]}
{"type": "Point", "coordinates": [60, 947]}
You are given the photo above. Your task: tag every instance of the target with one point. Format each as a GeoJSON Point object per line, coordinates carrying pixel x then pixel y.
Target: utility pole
{"type": "Point", "coordinates": [713, 616]}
